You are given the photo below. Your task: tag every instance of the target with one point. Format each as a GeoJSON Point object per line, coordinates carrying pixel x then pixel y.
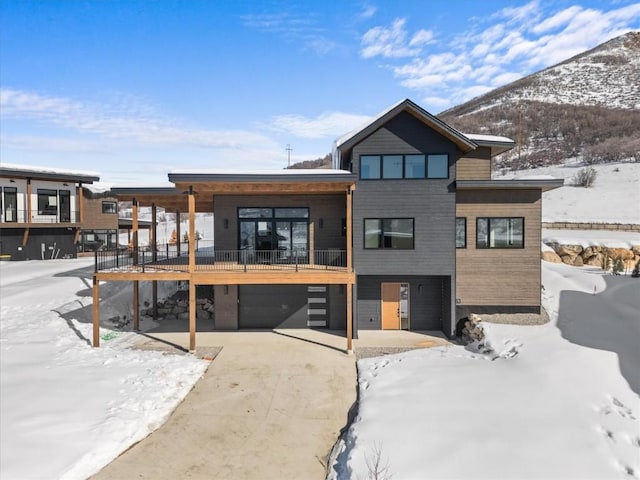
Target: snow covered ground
{"type": "Point", "coordinates": [68, 409]}
{"type": "Point", "coordinates": [614, 197]}
{"type": "Point", "coordinates": [556, 401]}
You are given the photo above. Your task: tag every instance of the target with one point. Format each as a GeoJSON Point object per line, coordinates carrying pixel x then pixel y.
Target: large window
{"type": "Point", "coordinates": [375, 167]}
{"type": "Point", "coordinates": [47, 202]}
{"type": "Point", "coordinates": [10, 204]}
{"type": "Point", "coordinates": [395, 233]}
{"type": "Point", "coordinates": [109, 207]}
{"type": "Point", "coordinates": [284, 230]}
{"type": "Point", "coordinates": [500, 232]}
{"type": "Point", "coordinates": [461, 232]}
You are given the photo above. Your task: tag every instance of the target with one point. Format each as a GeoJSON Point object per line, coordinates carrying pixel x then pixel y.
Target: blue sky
{"type": "Point", "coordinates": [133, 89]}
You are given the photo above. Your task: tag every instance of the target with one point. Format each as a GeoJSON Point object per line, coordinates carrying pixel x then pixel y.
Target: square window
{"type": "Point", "coordinates": [109, 207]}
{"type": "Point", "coordinates": [370, 166]}
{"type": "Point", "coordinates": [438, 166]}
{"type": "Point", "coordinates": [392, 166]}
{"type": "Point", "coordinates": [414, 166]}
{"type": "Point", "coordinates": [500, 232]}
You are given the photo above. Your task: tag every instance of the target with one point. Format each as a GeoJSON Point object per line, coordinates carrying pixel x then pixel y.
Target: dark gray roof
{"type": "Point", "coordinates": [47, 174]}
{"type": "Point", "coordinates": [263, 176]}
{"type": "Point", "coordinates": [544, 184]}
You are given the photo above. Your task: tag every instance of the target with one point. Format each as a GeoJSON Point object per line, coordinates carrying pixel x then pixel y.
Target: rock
{"type": "Point", "coordinates": [568, 259]}
{"type": "Point", "coordinates": [590, 251]}
{"type": "Point", "coordinates": [571, 250]}
{"type": "Point", "coordinates": [577, 261]}
{"type": "Point", "coordinates": [636, 250]}
{"type": "Point", "coordinates": [622, 253]}
{"type": "Point", "coordinates": [550, 256]}
{"type": "Point", "coordinates": [596, 260]}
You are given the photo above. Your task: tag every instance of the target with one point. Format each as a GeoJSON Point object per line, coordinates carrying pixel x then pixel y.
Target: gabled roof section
{"type": "Point", "coordinates": [349, 140]}
{"type": "Point", "coordinates": [46, 173]}
{"type": "Point", "coordinates": [496, 143]}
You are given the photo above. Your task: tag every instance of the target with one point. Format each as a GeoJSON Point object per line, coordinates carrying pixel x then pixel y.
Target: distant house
{"type": "Point", "coordinates": [407, 231]}
{"type": "Point", "coordinates": [42, 214]}
{"type": "Point", "coordinates": [100, 223]}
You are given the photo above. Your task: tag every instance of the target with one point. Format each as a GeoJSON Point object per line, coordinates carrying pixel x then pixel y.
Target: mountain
{"type": "Point", "coordinates": [588, 106]}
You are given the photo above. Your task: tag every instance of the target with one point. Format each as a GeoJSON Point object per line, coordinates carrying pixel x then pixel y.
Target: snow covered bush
{"type": "Point", "coordinates": [585, 177]}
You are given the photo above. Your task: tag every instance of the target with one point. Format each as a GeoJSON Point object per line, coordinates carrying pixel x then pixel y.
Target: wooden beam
{"type": "Point", "coordinates": [349, 222]}
{"type": "Point", "coordinates": [134, 225]}
{"type": "Point", "coordinates": [192, 316]}
{"type": "Point", "coordinates": [257, 277]}
{"type": "Point", "coordinates": [136, 305]}
{"type": "Point", "coordinates": [349, 288]}
{"type": "Point", "coordinates": [80, 201]}
{"type": "Point", "coordinates": [96, 311]}
{"type": "Point", "coordinates": [178, 239]}
{"type": "Point", "coordinates": [153, 233]}
{"type": "Point", "coordinates": [25, 237]}
{"type": "Point", "coordinates": [130, 276]}
{"type": "Point", "coordinates": [28, 212]}
{"type": "Point", "coordinates": [76, 236]}
{"type": "Point", "coordinates": [192, 231]}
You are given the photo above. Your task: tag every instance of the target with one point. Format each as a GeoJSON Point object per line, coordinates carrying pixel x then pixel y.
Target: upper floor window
{"type": "Point", "coordinates": [47, 202]}
{"type": "Point", "coordinates": [461, 232]}
{"type": "Point", "coordinates": [10, 204]}
{"type": "Point", "coordinates": [499, 232]}
{"type": "Point", "coordinates": [109, 207]}
{"type": "Point", "coordinates": [374, 167]}
{"type": "Point", "coordinates": [396, 233]}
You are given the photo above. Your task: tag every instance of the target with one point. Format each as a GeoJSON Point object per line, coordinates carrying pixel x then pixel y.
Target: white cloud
{"type": "Point", "coordinates": [388, 42]}
{"type": "Point", "coordinates": [368, 11]}
{"type": "Point", "coordinates": [325, 125]}
{"type": "Point", "coordinates": [497, 50]}
{"type": "Point", "coordinates": [134, 125]}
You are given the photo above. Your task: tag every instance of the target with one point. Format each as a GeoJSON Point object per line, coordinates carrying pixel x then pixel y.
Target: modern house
{"type": "Point", "coordinates": [100, 222]}
{"type": "Point", "coordinates": [41, 214]}
{"type": "Point", "coordinates": [408, 231]}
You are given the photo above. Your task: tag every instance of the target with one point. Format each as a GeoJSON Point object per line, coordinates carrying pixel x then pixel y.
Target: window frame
{"type": "Point", "coordinates": [43, 195]}
{"type": "Point", "coordinates": [106, 203]}
{"type": "Point", "coordinates": [379, 175]}
{"type": "Point", "coordinates": [488, 245]}
{"type": "Point", "coordinates": [6, 193]}
{"type": "Point", "coordinates": [463, 219]}
{"type": "Point", "coordinates": [381, 235]}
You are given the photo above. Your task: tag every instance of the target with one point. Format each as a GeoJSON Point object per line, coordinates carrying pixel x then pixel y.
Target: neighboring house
{"type": "Point", "coordinates": [100, 224]}
{"type": "Point", "coordinates": [42, 213]}
{"type": "Point", "coordinates": [408, 231]}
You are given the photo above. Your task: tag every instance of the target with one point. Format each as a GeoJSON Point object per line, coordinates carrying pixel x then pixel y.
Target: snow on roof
{"type": "Point", "coordinates": [49, 170]}
{"type": "Point", "coordinates": [477, 137]}
{"type": "Point", "coordinates": [98, 187]}
{"type": "Point", "coordinates": [289, 171]}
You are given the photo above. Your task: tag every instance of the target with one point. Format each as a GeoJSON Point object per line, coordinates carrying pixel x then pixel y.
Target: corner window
{"type": "Point", "coordinates": [47, 202]}
{"type": "Point", "coordinates": [461, 232]}
{"type": "Point", "coordinates": [109, 207]}
{"type": "Point", "coordinates": [393, 233]}
{"type": "Point", "coordinates": [370, 166]}
{"type": "Point", "coordinates": [394, 167]}
{"type": "Point", "coordinates": [499, 232]}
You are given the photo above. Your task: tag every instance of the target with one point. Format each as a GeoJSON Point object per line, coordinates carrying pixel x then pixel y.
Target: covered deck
{"type": "Point", "coordinates": [194, 193]}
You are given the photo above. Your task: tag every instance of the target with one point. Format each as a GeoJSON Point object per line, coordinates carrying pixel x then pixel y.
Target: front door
{"type": "Point", "coordinates": [395, 306]}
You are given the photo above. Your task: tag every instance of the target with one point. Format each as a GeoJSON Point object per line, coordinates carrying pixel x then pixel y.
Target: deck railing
{"type": "Point", "coordinates": [168, 257]}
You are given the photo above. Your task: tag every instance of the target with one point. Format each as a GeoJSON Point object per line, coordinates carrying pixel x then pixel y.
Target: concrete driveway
{"type": "Point", "coordinates": [270, 406]}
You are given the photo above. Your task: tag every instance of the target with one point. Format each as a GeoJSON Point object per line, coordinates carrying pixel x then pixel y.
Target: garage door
{"type": "Point", "coordinates": [273, 306]}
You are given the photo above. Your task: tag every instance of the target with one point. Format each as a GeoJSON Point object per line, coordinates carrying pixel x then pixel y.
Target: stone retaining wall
{"type": "Point", "coordinates": [616, 227]}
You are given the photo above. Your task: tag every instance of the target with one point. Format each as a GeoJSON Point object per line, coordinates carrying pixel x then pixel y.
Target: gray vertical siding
{"type": "Point", "coordinates": [425, 303]}
{"type": "Point", "coordinates": [432, 205]}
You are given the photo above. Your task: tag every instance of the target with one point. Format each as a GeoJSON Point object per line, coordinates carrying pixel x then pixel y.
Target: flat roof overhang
{"type": "Point", "coordinates": [20, 173]}
{"type": "Point", "coordinates": [544, 185]}
{"type": "Point", "coordinates": [208, 185]}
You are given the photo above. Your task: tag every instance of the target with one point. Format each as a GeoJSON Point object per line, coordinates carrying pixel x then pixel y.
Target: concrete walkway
{"type": "Point", "coordinates": [270, 406]}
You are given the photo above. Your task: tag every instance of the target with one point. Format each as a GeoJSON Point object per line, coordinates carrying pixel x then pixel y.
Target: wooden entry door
{"type": "Point", "coordinates": [395, 306]}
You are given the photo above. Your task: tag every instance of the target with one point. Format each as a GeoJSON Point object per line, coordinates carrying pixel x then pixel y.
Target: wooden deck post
{"type": "Point", "coordinates": [96, 312]}
{"type": "Point", "coordinates": [178, 239]}
{"type": "Point", "coordinates": [28, 212]}
{"type": "Point", "coordinates": [154, 246]}
{"type": "Point", "coordinates": [349, 286]}
{"type": "Point", "coordinates": [192, 269]}
{"type": "Point", "coordinates": [80, 202]}
{"type": "Point", "coordinates": [136, 305]}
{"type": "Point", "coordinates": [134, 225]}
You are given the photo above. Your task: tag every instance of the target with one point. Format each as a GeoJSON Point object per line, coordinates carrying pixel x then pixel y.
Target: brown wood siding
{"type": "Point", "coordinates": [330, 208]}
{"type": "Point", "coordinates": [94, 219]}
{"type": "Point", "coordinates": [476, 165]}
{"type": "Point", "coordinates": [506, 277]}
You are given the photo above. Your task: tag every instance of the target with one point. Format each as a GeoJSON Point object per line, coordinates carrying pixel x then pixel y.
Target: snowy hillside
{"type": "Point", "coordinates": [614, 197]}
